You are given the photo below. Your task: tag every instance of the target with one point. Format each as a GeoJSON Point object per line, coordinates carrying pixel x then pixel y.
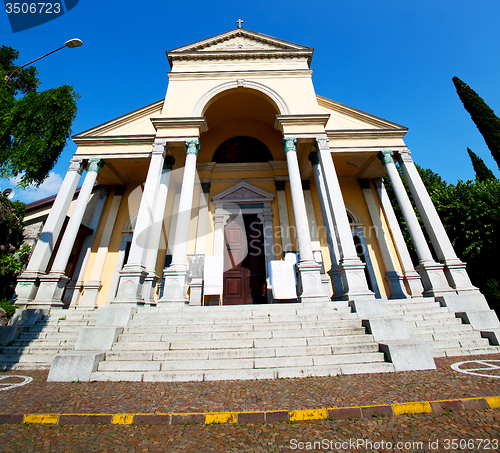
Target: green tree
{"type": "Point", "coordinates": [34, 125]}
{"type": "Point", "coordinates": [483, 173]}
{"type": "Point", "coordinates": [13, 256]}
{"type": "Point", "coordinates": [484, 118]}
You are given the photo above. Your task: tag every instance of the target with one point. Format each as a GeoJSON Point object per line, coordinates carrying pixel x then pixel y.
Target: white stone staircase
{"type": "Point", "coordinates": [54, 333]}
{"type": "Point", "coordinates": [426, 320]}
{"type": "Point", "coordinates": [176, 343]}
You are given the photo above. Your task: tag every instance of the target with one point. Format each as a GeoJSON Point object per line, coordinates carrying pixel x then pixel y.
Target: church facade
{"type": "Point", "coordinates": [244, 187]}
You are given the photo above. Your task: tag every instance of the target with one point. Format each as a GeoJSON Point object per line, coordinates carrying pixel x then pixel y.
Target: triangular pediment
{"type": "Point", "coordinates": [345, 118]}
{"type": "Point", "coordinates": [239, 39]}
{"type": "Point", "coordinates": [243, 192]}
{"type": "Point", "coordinates": [239, 42]}
{"type": "Point", "coordinates": [133, 124]}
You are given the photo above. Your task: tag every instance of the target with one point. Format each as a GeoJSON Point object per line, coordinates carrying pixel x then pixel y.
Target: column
{"type": "Point", "coordinates": [395, 279]}
{"type": "Point", "coordinates": [307, 269]}
{"type": "Point", "coordinates": [454, 268]}
{"type": "Point", "coordinates": [151, 278]}
{"type": "Point", "coordinates": [313, 231]}
{"type": "Point", "coordinates": [350, 266]}
{"type": "Point", "coordinates": [286, 242]}
{"type": "Point", "coordinates": [334, 272]}
{"type": "Point", "coordinates": [133, 273]}
{"type": "Point", "coordinates": [411, 276]}
{"type": "Point", "coordinates": [74, 287]}
{"type": "Point", "coordinates": [28, 282]}
{"type": "Point", "coordinates": [53, 284]}
{"type": "Point", "coordinates": [176, 276]}
{"type": "Point", "coordinates": [266, 219]}
{"type": "Point", "coordinates": [432, 274]}
{"type": "Point", "coordinates": [93, 285]}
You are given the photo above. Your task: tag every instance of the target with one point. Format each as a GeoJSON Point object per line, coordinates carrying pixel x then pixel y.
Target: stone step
{"type": "Point", "coordinates": [247, 374]}
{"type": "Point", "coordinates": [24, 366]}
{"type": "Point", "coordinates": [242, 327]}
{"type": "Point", "coordinates": [207, 336]}
{"type": "Point", "coordinates": [44, 342]}
{"type": "Point", "coordinates": [232, 354]}
{"type": "Point", "coordinates": [157, 321]}
{"type": "Point", "coordinates": [397, 310]}
{"type": "Point", "coordinates": [28, 358]}
{"type": "Point", "coordinates": [440, 329]}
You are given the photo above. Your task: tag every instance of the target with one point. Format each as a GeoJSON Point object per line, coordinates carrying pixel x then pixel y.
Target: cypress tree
{"type": "Point", "coordinates": [484, 118]}
{"type": "Point", "coordinates": [483, 173]}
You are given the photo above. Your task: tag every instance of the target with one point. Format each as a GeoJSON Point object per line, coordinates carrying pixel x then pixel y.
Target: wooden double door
{"type": "Point", "coordinates": [244, 261]}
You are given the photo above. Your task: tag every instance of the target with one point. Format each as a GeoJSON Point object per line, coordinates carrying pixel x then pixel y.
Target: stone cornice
{"type": "Point", "coordinates": [365, 133]}
{"type": "Point", "coordinates": [302, 119]}
{"type": "Point", "coordinates": [216, 75]}
{"type": "Point", "coordinates": [114, 140]}
{"type": "Point", "coordinates": [180, 123]}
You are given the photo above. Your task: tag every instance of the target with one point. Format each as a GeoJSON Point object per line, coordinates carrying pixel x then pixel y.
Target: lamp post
{"type": "Point", "coordinates": [75, 42]}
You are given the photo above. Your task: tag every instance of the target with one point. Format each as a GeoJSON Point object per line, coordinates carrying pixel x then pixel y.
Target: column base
{"type": "Point", "coordinates": [310, 282]}
{"type": "Point", "coordinates": [130, 285]}
{"type": "Point", "coordinates": [73, 291]}
{"type": "Point", "coordinates": [196, 291]}
{"type": "Point", "coordinates": [26, 289]}
{"type": "Point", "coordinates": [397, 285]}
{"type": "Point", "coordinates": [337, 285]}
{"type": "Point", "coordinates": [457, 276]}
{"type": "Point", "coordinates": [176, 282]}
{"type": "Point", "coordinates": [50, 291]}
{"type": "Point", "coordinates": [354, 282]}
{"type": "Point", "coordinates": [149, 287]}
{"type": "Point", "coordinates": [433, 279]}
{"type": "Point", "coordinates": [414, 284]}
{"type": "Point", "coordinates": [90, 293]}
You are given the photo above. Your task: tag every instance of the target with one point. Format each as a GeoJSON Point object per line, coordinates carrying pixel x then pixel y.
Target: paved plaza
{"type": "Point", "coordinates": [453, 408]}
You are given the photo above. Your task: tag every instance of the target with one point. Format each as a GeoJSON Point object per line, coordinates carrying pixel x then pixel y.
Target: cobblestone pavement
{"type": "Point", "coordinates": [480, 428]}
{"type": "Point", "coordinates": [476, 431]}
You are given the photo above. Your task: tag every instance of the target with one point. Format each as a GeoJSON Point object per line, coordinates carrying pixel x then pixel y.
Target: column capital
{"type": "Point", "coordinates": [76, 164]}
{"type": "Point", "coordinates": [405, 155]}
{"type": "Point", "coordinates": [280, 184]}
{"type": "Point", "coordinates": [289, 144]}
{"type": "Point", "coordinates": [192, 147]}
{"type": "Point", "coordinates": [386, 156]}
{"type": "Point", "coordinates": [160, 146]}
{"type": "Point", "coordinates": [205, 186]}
{"type": "Point", "coordinates": [314, 158]}
{"type": "Point", "coordinates": [95, 164]}
{"type": "Point", "coordinates": [168, 163]}
{"type": "Point", "coordinates": [321, 143]}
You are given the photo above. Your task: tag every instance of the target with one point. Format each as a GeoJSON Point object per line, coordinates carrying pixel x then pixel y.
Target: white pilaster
{"type": "Point", "coordinates": [350, 266]}
{"type": "Point", "coordinates": [75, 286]}
{"type": "Point", "coordinates": [53, 284]}
{"type": "Point", "coordinates": [28, 282]}
{"type": "Point", "coordinates": [395, 279]}
{"type": "Point", "coordinates": [331, 238]}
{"type": "Point", "coordinates": [133, 273]}
{"type": "Point", "coordinates": [151, 278]}
{"type": "Point", "coordinates": [286, 242]}
{"type": "Point", "coordinates": [93, 285]}
{"type": "Point", "coordinates": [308, 270]}
{"type": "Point", "coordinates": [176, 276]}
{"type": "Point", "coordinates": [454, 268]}
{"type": "Point", "coordinates": [432, 274]}
{"type": "Point", "coordinates": [411, 276]}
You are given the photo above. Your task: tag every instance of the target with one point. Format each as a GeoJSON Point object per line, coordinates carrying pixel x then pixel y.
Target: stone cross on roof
{"type": "Point", "coordinates": [239, 22]}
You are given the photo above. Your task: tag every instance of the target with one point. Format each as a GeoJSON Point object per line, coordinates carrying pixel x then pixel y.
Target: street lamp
{"type": "Point", "coordinates": [75, 42]}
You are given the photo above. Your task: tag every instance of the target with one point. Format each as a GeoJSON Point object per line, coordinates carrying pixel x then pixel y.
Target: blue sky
{"type": "Point", "coordinates": [393, 59]}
